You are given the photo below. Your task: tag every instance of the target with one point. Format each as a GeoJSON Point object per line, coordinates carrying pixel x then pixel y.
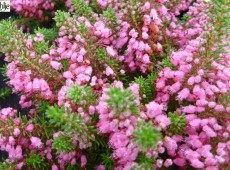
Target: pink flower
{"type": "Point", "coordinates": [36, 84]}
{"type": "Point", "coordinates": [189, 109]}
{"type": "Point", "coordinates": [54, 167]}
{"type": "Point", "coordinates": [100, 167]}
{"type": "Point", "coordinates": [56, 65]}
{"type": "Point", "coordinates": [183, 94]}
{"type": "Point", "coordinates": [212, 104]}
{"type": "Point", "coordinates": [163, 10]}
{"type": "Point", "coordinates": [159, 163]}
{"type": "Point", "coordinates": [195, 123]}
{"type": "Point", "coordinates": [73, 162]}
{"type": "Point", "coordinates": [209, 131]}
{"type": "Point", "coordinates": [36, 142]}
{"type": "Point", "coordinates": [219, 108]}
{"type": "Point", "coordinates": [196, 163]}
{"type": "Point", "coordinates": [109, 71]}
{"type": "Point", "coordinates": [30, 127]}
{"type": "Point", "coordinates": [212, 168]}
{"type": "Point", "coordinates": [153, 109]}
{"type": "Point", "coordinates": [179, 162]}
{"type": "Point", "coordinates": [146, 6]}
{"type": "Point", "coordinates": [16, 132]}
{"type": "Point", "coordinates": [11, 140]}
{"type": "Point", "coordinates": [111, 51]}
{"type": "Point", "coordinates": [175, 87]}
{"type": "Point", "coordinates": [168, 162]}
{"type": "Point", "coordinates": [160, 84]}
{"type": "Point", "coordinates": [83, 160]}
{"type": "Point", "coordinates": [162, 120]}
{"type": "Point", "coordinates": [68, 75]}
{"type": "Point", "coordinates": [197, 79]}
{"type": "Point", "coordinates": [19, 166]}
{"type": "Point", "coordinates": [170, 144]}
{"type": "Point", "coordinates": [145, 35]}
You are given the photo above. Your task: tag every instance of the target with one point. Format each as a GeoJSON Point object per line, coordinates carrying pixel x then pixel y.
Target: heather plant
{"type": "Point", "coordinates": [117, 85]}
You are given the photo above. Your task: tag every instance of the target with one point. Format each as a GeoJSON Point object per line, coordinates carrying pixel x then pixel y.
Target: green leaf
{"type": "Point", "coordinates": [110, 18]}
{"type": "Point", "coordinates": [146, 87]}
{"type": "Point", "coordinates": [178, 123]}
{"type": "Point", "coordinates": [82, 9]}
{"type": "Point", "coordinates": [122, 101]}
{"type": "Point", "coordinates": [146, 136]}
{"type": "Point", "coordinates": [82, 95]}
{"type": "Point", "coordinates": [49, 34]}
{"type": "Point", "coordinates": [60, 16]}
{"type": "Point", "coordinates": [4, 92]}
{"type": "Point", "coordinates": [144, 163]}
{"type": "Point", "coordinates": [70, 123]}
{"type": "Point", "coordinates": [36, 161]}
{"type": "Point", "coordinates": [63, 144]}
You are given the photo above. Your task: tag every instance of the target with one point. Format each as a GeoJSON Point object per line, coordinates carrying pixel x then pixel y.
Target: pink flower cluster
{"type": "Point", "coordinates": [33, 9]}
{"type": "Point", "coordinates": [195, 149]}
{"type": "Point", "coordinates": [120, 128]}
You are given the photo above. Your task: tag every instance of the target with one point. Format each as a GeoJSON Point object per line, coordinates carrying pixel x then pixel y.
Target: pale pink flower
{"type": "Point", "coordinates": [168, 162]}
{"type": "Point", "coordinates": [196, 163]}
{"type": "Point", "coordinates": [153, 109]}
{"type": "Point", "coordinates": [30, 128]}
{"type": "Point", "coordinates": [109, 71]}
{"type": "Point", "coordinates": [56, 65]}
{"type": "Point", "coordinates": [83, 160]}
{"type": "Point", "coordinates": [111, 51]}
{"type": "Point", "coordinates": [16, 132]}
{"type": "Point", "coordinates": [36, 142]}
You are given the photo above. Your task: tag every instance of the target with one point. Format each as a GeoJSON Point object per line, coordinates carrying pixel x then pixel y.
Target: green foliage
{"type": "Point", "coordinates": [144, 163]}
{"type": "Point", "coordinates": [83, 30]}
{"type": "Point", "coordinates": [27, 22]}
{"type": "Point", "coordinates": [63, 144]}
{"type": "Point", "coordinates": [110, 18]}
{"type": "Point", "coordinates": [6, 127]}
{"type": "Point", "coordinates": [217, 30]}
{"type": "Point", "coordinates": [49, 34]}
{"type": "Point", "coordinates": [73, 167]}
{"type": "Point", "coordinates": [107, 160]}
{"type": "Point", "coordinates": [135, 6]}
{"type": "Point", "coordinates": [145, 135]}
{"type": "Point", "coordinates": [36, 161]}
{"type": "Point", "coordinates": [7, 27]}
{"type": "Point", "coordinates": [4, 165]}
{"type": "Point", "coordinates": [4, 92]}
{"type": "Point", "coordinates": [185, 18]}
{"type": "Point", "coordinates": [103, 59]}
{"type": "Point", "coordinates": [224, 99]}
{"type": "Point", "coordinates": [99, 153]}
{"type": "Point", "coordinates": [65, 64]}
{"type": "Point", "coordinates": [82, 9]}
{"type": "Point", "coordinates": [70, 123]}
{"type": "Point", "coordinates": [43, 106]}
{"type": "Point", "coordinates": [167, 63]}
{"type": "Point", "coordinates": [60, 16]}
{"type": "Point", "coordinates": [122, 101]}
{"type": "Point", "coordinates": [41, 47]}
{"type": "Point", "coordinates": [178, 123]}
{"type": "Point", "coordinates": [146, 86]}
{"type": "Point", "coordinates": [95, 6]}
{"type": "Point", "coordinates": [82, 95]}
{"type": "Point", "coordinates": [44, 129]}
{"type": "Point", "coordinates": [4, 71]}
